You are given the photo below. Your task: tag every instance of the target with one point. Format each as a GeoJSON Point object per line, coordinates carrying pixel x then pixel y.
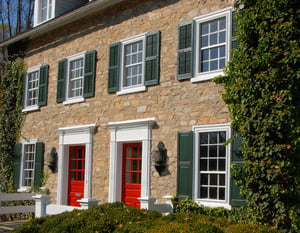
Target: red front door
{"type": "Point", "coordinates": [76, 174]}
{"type": "Point", "coordinates": [132, 173]}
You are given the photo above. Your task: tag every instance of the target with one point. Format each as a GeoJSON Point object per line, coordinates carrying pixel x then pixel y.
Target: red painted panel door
{"type": "Point", "coordinates": [132, 173]}
{"type": "Point", "coordinates": [76, 174]}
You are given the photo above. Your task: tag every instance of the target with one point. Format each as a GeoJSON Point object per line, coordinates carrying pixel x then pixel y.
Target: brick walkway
{"type": "Point", "coordinates": [9, 226]}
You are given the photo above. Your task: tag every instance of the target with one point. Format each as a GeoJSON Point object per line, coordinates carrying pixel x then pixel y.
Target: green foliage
{"type": "Point", "coordinates": [262, 89]}
{"type": "Point", "coordinates": [11, 118]}
{"type": "Point", "coordinates": [118, 217]}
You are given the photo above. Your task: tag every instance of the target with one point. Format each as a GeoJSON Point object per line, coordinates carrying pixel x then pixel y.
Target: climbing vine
{"type": "Point", "coordinates": [11, 118]}
{"type": "Point", "coordinates": [262, 91]}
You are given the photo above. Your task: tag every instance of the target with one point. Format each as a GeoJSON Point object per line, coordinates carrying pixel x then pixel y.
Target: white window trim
{"type": "Point", "coordinates": [77, 99]}
{"type": "Point", "coordinates": [37, 13]}
{"type": "Point", "coordinates": [198, 77]}
{"type": "Point", "coordinates": [21, 187]}
{"type": "Point", "coordinates": [141, 87]}
{"type": "Point", "coordinates": [211, 128]}
{"type": "Point", "coordinates": [33, 107]}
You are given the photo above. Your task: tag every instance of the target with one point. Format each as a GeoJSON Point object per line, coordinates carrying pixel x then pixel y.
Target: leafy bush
{"type": "Point", "coordinates": [261, 90]}
{"type": "Point", "coordinates": [118, 217]}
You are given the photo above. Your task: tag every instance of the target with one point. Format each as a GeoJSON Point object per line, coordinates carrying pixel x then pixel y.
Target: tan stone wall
{"type": "Point", "coordinates": [176, 105]}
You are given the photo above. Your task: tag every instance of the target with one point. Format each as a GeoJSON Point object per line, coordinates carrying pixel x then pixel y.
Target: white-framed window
{"type": "Point", "coordinates": [27, 164]}
{"type": "Point", "coordinates": [44, 11]}
{"type": "Point", "coordinates": [212, 44]}
{"type": "Point", "coordinates": [35, 88]}
{"type": "Point", "coordinates": [204, 46]}
{"type": "Point", "coordinates": [132, 65]}
{"type": "Point", "coordinates": [32, 88]}
{"type": "Point", "coordinates": [212, 164]}
{"type": "Point", "coordinates": [75, 78]}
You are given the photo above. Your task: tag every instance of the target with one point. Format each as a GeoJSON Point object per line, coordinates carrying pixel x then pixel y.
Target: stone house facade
{"type": "Point", "coordinates": [122, 90]}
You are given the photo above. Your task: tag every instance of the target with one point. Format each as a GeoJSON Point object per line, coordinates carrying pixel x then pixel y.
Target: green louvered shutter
{"type": "Point", "coordinates": [236, 158]}
{"type": "Point", "coordinates": [61, 81]}
{"type": "Point", "coordinates": [152, 58]}
{"type": "Point", "coordinates": [17, 164]}
{"type": "Point", "coordinates": [185, 51]}
{"type": "Point", "coordinates": [234, 41]}
{"type": "Point", "coordinates": [38, 164]}
{"type": "Point", "coordinates": [113, 68]}
{"type": "Point", "coordinates": [89, 74]}
{"type": "Point", "coordinates": [43, 85]}
{"type": "Point", "coordinates": [24, 75]}
{"type": "Point", "coordinates": [185, 165]}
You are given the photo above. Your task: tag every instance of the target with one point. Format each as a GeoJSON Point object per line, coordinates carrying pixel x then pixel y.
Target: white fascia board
{"type": "Point", "coordinates": [89, 9]}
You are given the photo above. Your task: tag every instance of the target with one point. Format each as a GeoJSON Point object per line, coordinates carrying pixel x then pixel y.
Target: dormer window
{"type": "Point", "coordinates": [44, 11]}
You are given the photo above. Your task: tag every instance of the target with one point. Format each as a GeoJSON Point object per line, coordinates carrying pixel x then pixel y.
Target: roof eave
{"type": "Point", "coordinates": [76, 14]}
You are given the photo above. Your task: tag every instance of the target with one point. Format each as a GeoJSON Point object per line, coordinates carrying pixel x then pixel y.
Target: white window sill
{"type": "Point", "coordinates": [74, 100]}
{"type": "Point", "coordinates": [31, 108]}
{"type": "Point", "coordinates": [214, 204]}
{"type": "Point", "coordinates": [132, 90]}
{"type": "Point", "coordinates": [23, 189]}
{"type": "Point", "coordinates": [207, 76]}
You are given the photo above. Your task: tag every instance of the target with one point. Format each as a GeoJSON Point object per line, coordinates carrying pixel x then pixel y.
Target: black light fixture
{"type": "Point", "coordinates": [52, 160]}
{"type": "Point", "coordinates": [160, 158]}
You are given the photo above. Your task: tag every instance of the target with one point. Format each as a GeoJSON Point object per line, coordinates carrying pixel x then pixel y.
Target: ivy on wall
{"type": "Point", "coordinates": [262, 91]}
{"type": "Point", "coordinates": [11, 118]}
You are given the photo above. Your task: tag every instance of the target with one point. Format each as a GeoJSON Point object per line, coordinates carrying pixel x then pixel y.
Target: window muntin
{"type": "Point", "coordinates": [213, 45]}
{"type": "Point", "coordinates": [76, 78]}
{"type": "Point", "coordinates": [28, 165]}
{"type": "Point", "coordinates": [32, 88]}
{"type": "Point", "coordinates": [133, 64]}
{"type": "Point", "coordinates": [212, 165]}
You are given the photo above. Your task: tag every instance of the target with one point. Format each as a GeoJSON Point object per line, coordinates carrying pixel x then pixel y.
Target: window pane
{"type": "Point", "coordinates": [204, 179]}
{"type": "Point", "coordinates": [222, 180]}
{"type": "Point", "coordinates": [127, 178]}
{"type": "Point", "coordinates": [134, 165]}
{"type": "Point", "coordinates": [204, 28]}
{"type": "Point", "coordinates": [222, 23]}
{"type": "Point", "coordinates": [203, 192]}
{"type": "Point", "coordinates": [214, 53]}
{"type": "Point", "coordinates": [205, 55]}
{"type": "Point", "coordinates": [213, 165]}
{"type": "Point", "coordinates": [213, 26]}
{"type": "Point", "coordinates": [222, 151]}
{"type": "Point", "coordinates": [213, 39]}
{"type": "Point", "coordinates": [222, 37]}
{"type": "Point", "coordinates": [213, 151]}
{"type": "Point", "coordinates": [222, 63]}
{"type": "Point", "coordinates": [204, 67]}
{"type": "Point", "coordinates": [203, 151]}
{"type": "Point", "coordinates": [134, 178]}
{"type": "Point", "coordinates": [222, 165]}
{"type": "Point", "coordinates": [203, 138]}
{"type": "Point", "coordinates": [213, 138]}
{"type": "Point", "coordinates": [213, 65]}
{"type": "Point", "coordinates": [221, 193]}
{"type": "Point", "coordinates": [203, 164]}
{"type": "Point", "coordinates": [213, 179]}
{"type": "Point", "coordinates": [204, 41]}
{"type": "Point", "coordinates": [213, 193]}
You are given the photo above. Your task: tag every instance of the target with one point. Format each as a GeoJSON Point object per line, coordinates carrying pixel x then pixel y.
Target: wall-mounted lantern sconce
{"type": "Point", "coordinates": [160, 158]}
{"type": "Point", "coordinates": [52, 160]}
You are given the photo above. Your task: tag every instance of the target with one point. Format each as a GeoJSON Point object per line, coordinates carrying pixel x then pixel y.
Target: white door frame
{"type": "Point", "coordinates": [130, 131]}
{"type": "Point", "coordinates": [77, 135]}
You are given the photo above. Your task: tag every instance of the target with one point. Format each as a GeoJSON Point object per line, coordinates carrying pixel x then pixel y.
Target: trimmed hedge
{"type": "Point", "coordinates": [118, 217]}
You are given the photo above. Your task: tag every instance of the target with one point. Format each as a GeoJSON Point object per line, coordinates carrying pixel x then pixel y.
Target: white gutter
{"type": "Point", "coordinates": [90, 8]}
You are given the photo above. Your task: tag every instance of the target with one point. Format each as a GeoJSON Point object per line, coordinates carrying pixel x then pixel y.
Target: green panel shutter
{"type": "Point", "coordinates": [38, 164]}
{"type": "Point", "coordinates": [185, 51]}
{"type": "Point", "coordinates": [17, 164]}
{"type": "Point", "coordinates": [89, 74]}
{"type": "Point", "coordinates": [234, 41]}
{"type": "Point", "coordinates": [24, 75]}
{"type": "Point", "coordinates": [185, 165]}
{"type": "Point", "coordinates": [152, 58]}
{"type": "Point", "coordinates": [236, 158]}
{"type": "Point", "coordinates": [43, 85]}
{"type": "Point", "coordinates": [113, 69]}
{"type": "Point", "coordinates": [61, 80]}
